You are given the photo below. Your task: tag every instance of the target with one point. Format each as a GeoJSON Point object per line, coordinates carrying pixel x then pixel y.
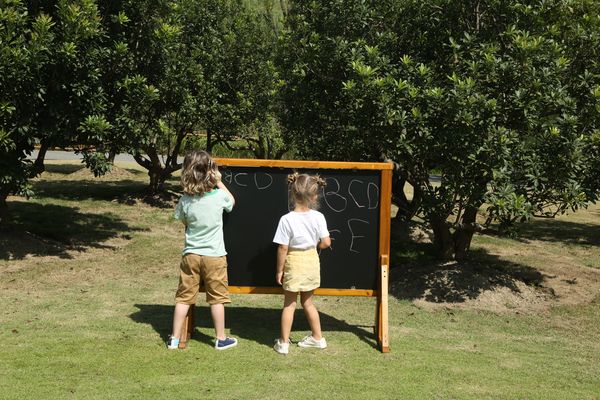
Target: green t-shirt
{"type": "Point", "coordinates": [203, 216]}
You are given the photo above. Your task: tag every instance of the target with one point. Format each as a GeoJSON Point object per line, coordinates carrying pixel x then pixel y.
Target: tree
{"type": "Point", "coordinates": [257, 84]}
{"type": "Point", "coordinates": [181, 67]}
{"type": "Point", "coordinates": [235, 49]}
{"type": "Point", "coordinates": [49, 83]}
{"type": "Point", "coordinates": [486, 94]}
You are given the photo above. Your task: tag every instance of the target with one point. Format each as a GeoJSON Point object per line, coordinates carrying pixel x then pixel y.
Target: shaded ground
{"type": "Point", "coordinates": [124, 185]}
{"type": "Point", "coordinates": [115, 174]}
{"type": "Point", "coordinates": [55, 230]}
{"type": "Point", "coordinates": [550, 263]}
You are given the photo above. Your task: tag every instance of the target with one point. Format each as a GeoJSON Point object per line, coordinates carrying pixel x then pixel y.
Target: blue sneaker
{"type": "Point", "coordinates": [172, 343]}
{"type": "Point", "coordinates": [225, 343]}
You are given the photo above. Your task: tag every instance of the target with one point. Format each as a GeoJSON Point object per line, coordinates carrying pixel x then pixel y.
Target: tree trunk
{"type": "Point", "coordinates": [38, 165]}
{"type": "Point", "coordinates": [442, 237]}
{"type": "Point", "coordinates": [157, 180]}
{"type": "Point", "coordinates": [154, 167]}
{"type": "Point", "coordinates": [165, 174]}
{"type": "Point", "coordinates": [155, 171]}
{"type": "Point", "coordinates": [464, 233]}
{"type": "Point", "coordinates": [454, 245]}
{"type": "Point", "coordinates": [209, 141]}
{"type": "Point", "coordinates": [407, 209]}
{"type": "Point", "coordinates": [3, 208]}
{"type": "Point", "coordinates": [111, 156]}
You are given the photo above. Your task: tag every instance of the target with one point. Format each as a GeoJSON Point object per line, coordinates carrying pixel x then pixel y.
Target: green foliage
{"type": "Point", "coordinates": [180, 67]}
{"type": "Point", "coordinates": [502, 98]}
{"type": "Point", "coordinates": [18, 56]}
{"type": "Point", "coordinates": [498, 96]}
{"type": "Point", "coordinates": [97, 162]}
{"type": "Point", "coordinates": [49, 81]}
{"type": "Point", "coordinates": [134, 76]}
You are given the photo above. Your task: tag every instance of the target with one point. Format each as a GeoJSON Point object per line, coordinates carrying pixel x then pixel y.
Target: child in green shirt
{"type": "Point", "coordinates": [204, 256]}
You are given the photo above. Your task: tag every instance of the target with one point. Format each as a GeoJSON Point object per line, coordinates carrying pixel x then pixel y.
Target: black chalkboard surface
{"type": "Point", "coordinates": [350, 203]}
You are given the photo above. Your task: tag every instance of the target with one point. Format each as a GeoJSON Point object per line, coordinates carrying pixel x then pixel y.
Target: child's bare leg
{"type": "Point", "coordinates": [181, 311]}
{"type": "Point", "coordinates": [312, 315]}
{"type": "Point", "coordinates": [217, 311]}
{"type": "Point", "coordinates": [287, 314]}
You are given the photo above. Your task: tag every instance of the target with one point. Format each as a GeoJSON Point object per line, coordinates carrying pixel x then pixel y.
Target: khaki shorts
{"type": "Point", "coordinates": [211, 271]}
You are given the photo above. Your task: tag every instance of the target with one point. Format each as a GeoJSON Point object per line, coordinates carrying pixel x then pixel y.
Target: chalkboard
{"type": "Point", "coordinates": [351, 203]}
{"type": "Point", "coordinates": [356, 203]}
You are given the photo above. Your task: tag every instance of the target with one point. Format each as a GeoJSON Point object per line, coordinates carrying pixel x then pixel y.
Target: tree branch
{"type": "Point", "coordinates": [142, 161]}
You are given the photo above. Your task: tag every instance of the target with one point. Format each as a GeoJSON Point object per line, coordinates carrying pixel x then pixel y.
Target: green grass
{"type": "Point", "coordinates": [87, 300]}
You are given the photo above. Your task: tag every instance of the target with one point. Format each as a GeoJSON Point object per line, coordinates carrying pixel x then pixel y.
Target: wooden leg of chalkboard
{"type": "Point", "coordinates": [383, 313]}
{"type": "Point", "coordinates": [187, 328]}
{"type": "Point", "coordinates": [377, 327]}
{"type": "Point", "coordinates": [192, 320]}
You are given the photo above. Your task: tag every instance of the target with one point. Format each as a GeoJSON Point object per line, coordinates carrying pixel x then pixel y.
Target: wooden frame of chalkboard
{"type": "Point", "coordinates": [357, 206]}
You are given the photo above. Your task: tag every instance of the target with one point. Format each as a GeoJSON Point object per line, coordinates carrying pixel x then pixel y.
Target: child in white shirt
{"type": "Point", "coordinates": [299, 234]}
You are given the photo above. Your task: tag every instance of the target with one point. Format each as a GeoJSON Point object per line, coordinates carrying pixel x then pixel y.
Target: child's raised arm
{"type": "Point", "coordinates": [222, 186]}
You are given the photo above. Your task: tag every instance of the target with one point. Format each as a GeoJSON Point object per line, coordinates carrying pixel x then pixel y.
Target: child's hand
{"type": "Point", "coordinates": [218, 175]}
{"type": "Point", "coordinates": [279, 278]}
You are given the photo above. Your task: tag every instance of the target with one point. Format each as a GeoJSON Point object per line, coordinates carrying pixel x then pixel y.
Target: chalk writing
{"type": "Point", "coordinates": [353, 232]}
{"type": "Point", "coordinates": [332, 197]}
{"type": "Point", "coordinates": [266, 180]}
{"type": "Point", "coordinates": [353, 181]}
{"type": "Point", "coordinates": [358, 194]}
{"type": "Point", "coordinates": [373, 195]}
{"type": "Point", "coordinates": [341, 198]}
{"type": "Point", "coordinates": [261, 181]}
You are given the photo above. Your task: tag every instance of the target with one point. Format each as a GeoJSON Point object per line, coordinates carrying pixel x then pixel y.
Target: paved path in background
{"type": "Point", "coordinates": [69, 155]}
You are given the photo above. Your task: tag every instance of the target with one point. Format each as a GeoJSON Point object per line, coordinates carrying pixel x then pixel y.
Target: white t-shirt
{"type": "Point", "coordinates": [301, 230]}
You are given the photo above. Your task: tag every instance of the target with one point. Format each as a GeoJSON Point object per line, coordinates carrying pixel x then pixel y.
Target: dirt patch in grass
{"type": "Point", "coordinates": [116, 174]}
{"type": "Point", "coordinates": [493, 286]}
{"type": "Point", "coordinates": [166, 200]}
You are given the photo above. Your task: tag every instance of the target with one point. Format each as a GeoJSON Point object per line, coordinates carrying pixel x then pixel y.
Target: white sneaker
{"type": "Point", "coordinates": [172, 343]}
{"type": "Point", "coordinates": [310, 341]}
{"type": "Point", "coordinates": [282, 347]}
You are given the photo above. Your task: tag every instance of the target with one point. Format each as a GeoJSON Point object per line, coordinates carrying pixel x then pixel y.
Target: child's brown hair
{"type": "Point", "coordinates": [200, 173]}
{"type": "Point", "coordinates": [305, 188]}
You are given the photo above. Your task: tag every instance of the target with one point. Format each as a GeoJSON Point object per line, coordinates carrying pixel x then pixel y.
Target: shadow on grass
{"type": "Point", "coordinates": [49, 229]}
{"type": "Point", "coordinates": [417, 274]}
{"type": "Point", "coordinates": [260, 325]}
{"type": "Point", "coordinates": [63, 169]}
{"type": "Point", "coordinates": [86, 189]}
{"type": "Point", "coordinates": [457, 282]}
{"type": "Point", "coordinates": [410, 243]}
{"type": "Point", "coordinates": [67, 169]}
{"type": "Point", "coordinates": [550, 230]}
{"type": "Point", "coordinates": [129, 192]}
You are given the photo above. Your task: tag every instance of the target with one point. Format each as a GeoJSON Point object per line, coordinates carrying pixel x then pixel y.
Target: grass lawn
{"type": "Point", "coordinates": [88, 272]}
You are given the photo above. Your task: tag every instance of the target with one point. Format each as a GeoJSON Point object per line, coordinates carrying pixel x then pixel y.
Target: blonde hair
{"type": "Point", "coordinates": [304, 189]}
{"type": "Point", "coordinates": [200, 173]}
